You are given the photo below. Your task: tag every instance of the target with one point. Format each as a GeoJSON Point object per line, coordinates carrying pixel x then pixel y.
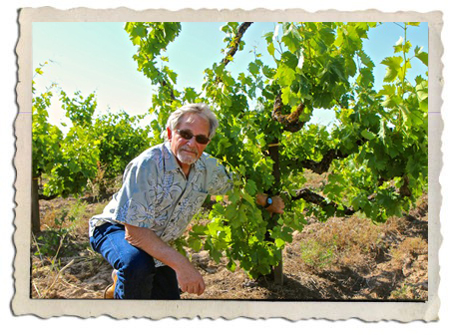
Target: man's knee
{"type": "Point", "coordinates": [135, 276]}
{"type": "Point", "coordinates": [138, 266]}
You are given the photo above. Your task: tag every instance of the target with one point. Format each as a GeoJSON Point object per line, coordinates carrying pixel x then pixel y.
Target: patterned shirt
{"type": "Point", "coordinates": [157, 195]}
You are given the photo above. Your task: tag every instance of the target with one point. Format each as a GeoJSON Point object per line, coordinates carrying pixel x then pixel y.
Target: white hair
{"type": "Point", "coordinates": [199, 109]}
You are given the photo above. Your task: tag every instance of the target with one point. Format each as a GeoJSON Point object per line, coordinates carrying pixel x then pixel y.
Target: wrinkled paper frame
{"type": "Point", "coordinates": [22, 304]}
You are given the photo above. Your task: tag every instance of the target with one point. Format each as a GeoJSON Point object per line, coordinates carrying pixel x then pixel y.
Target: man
{"type": "Point", "coordinates": [162, 190]}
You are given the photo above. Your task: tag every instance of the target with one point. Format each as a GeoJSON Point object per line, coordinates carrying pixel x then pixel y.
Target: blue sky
{"type": "Point", "coordinates": [97, 57]}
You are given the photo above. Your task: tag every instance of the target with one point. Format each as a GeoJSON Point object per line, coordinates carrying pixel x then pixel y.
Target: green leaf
{"type": "Point", "coordinates": [190, 94]}
{"type": "Point", "coordinates": [422, 90]}
{"type": "Point", "coordinates": [382, 131]}
{"type": "Point", "coordinates": [288, 97]}
{"type": "Point", "coordinates": [423, 57]}
{"type": "Point", "coordinates": [271, 49]}
{"type": "Point", "coordinates": [365, 59]}
{"type": "Point", "coordinates": [393, 67]}
{"type": "Point", "coordinates": [327, 35]}
{"type": "Point", "coordinates": [279, 243]}
{"type": "Point", "coordinates": [285, 75]}
{"type": "Point", "coordinates": [196, 245]}
{"type": "Point", "coordinates": [251, 187]}
{"type": "Point", "coordinates": [140, 31]}
{"type": "Point", "coordinates": [248, 198]}
{"type": "Point", "coordinates": [253, 68]}
{"type": "Point", "coordinates": [366, 78]}
{"type": "Point", "coordinates": [291, 38]}
{"type": "Point", "coordinates": [268, 72]}
{"type": "Point", "coordinates": [269, 36]}
{"type": "Point", "coordinates": [368, 134]}
{"type": "Point", "coordinates": [289, 59]}
{"type": "Point", "coordinates": [231, 265]}
{"type": "Point", "coordinates": [398, 45]}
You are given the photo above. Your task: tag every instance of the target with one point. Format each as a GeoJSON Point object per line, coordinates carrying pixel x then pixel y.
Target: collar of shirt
{"type": "Point", "coordinates": [170, 161]}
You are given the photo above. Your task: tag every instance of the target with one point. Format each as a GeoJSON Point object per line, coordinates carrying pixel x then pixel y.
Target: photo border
{"type": "Point", "coordinates": [22, 303]}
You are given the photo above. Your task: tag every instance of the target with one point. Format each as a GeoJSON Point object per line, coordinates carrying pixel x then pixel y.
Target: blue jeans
{"type": "Point", "coordinates": [137, 276]}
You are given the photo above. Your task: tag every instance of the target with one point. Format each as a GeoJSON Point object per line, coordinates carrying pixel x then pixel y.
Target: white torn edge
{"type": "Point", "coordinates": [22, 303]}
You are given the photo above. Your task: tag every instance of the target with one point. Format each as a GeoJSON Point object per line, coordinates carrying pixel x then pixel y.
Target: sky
{"type": "Point", "coordinates": [97, 57]}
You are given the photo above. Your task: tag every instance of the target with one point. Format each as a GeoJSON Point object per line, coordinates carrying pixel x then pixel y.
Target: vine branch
{"type": "Point", "coordinates": [290, 121]}
{"type": "Point", "coordinates": [311, 197]}
{"type": "Point", "coordinates": [236, 41]}
{"type": "Point", "coordinates": [161, 81]}
{"type": "Point", "coordinates": [168, 87]}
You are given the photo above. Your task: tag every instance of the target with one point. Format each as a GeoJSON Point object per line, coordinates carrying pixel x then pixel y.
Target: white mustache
{"type": "Point", "coordinates": [185, 148]}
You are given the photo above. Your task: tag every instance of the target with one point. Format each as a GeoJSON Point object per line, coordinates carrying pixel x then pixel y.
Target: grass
{"type": "Point", "coordinates": [351, 242]}
{"type": "Point", "coordinates": [62, 243]}
{"type": "Point", "coordinates": [340, 241]}
{"type": "Point", "coordinates": [317, 255]}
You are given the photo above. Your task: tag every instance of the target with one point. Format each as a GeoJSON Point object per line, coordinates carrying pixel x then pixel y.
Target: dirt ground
{"type": "Point", "coordinates": [341, 259]}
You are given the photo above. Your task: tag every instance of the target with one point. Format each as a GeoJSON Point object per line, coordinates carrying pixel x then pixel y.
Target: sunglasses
{"type": "Point", "coordinates": [187, 135]}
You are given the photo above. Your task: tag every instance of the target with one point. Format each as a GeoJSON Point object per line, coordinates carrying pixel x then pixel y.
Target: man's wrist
{"type": "Point", "coordinates": [264, 200]}
{"type": "Point", "coordinates": [269, 201]}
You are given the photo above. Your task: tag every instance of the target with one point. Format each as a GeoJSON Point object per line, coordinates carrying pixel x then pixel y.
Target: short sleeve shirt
{"type": "Point", "coordinates": [157, 195]}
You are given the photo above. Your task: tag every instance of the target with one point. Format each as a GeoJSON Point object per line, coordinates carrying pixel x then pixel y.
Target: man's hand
{"type": "Point", "coordinates": [277, 206]}
{"type": "Point", "coordinates": [189, 279]}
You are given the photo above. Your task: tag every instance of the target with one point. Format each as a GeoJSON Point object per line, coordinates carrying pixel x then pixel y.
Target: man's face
{"type": "Point", "coordinates": [189, 151]}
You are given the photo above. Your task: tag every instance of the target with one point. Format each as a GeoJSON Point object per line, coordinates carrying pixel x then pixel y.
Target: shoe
{"type": "Point", "coordinates": [109, 290]}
